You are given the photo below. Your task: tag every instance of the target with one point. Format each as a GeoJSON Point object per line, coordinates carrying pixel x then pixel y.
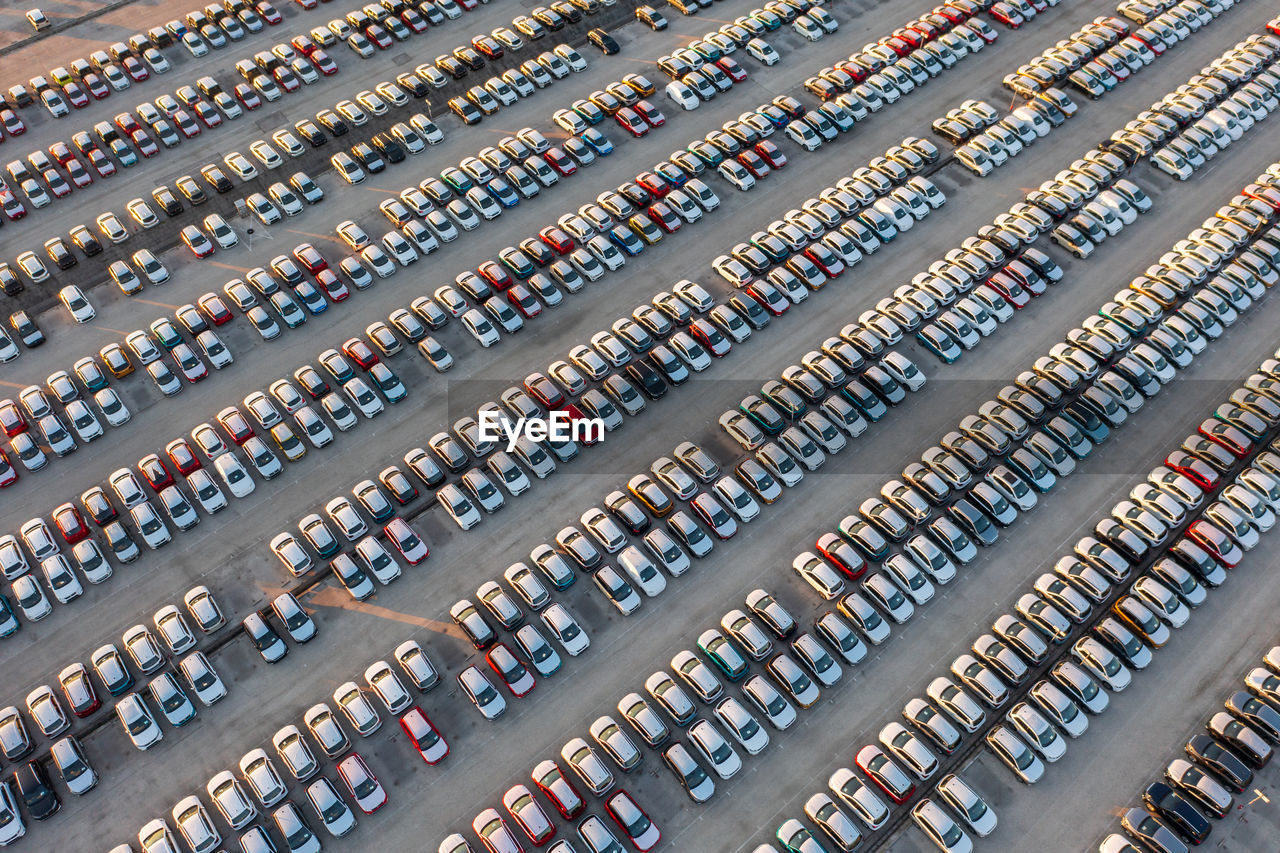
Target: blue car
{"type": "Point", "coordinates": [598, 141]}
{"type": "Point", "coordinates": [311, 298]}
{"type": "Point", "coordinates": [938, 342]}
{"type": "Point", "coordinates": [626, 240]}
{"type": "Point", "coordinates": [502, 192]}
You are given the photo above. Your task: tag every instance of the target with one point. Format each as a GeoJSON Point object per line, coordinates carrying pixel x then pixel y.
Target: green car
{"type": "Point", "coordinates": [941, 344]}
{"type": "Point", "coordinates": [722, 653]}
{"type": "Point", "coordinates": [763, 414]}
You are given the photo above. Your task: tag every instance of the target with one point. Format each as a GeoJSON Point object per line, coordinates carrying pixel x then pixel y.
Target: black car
{"type": "Point", "coordinates": [368, 157]}
{"type": "Point", "coordinates": [652, 17]}
{"type": "Point", "coordinates": [1257, 712]}
{"type": "Point", "coordinates": [36, 792]}
{"type": "Point", "coordinates": [1225, 764]}
{"type": "Point", "coordinates": [414, 84]}
{"type": "Point", "coordinates": [388, 148]}
{"type": "Point", "coordinates": [1166, 803]}
{"type": "Point", "coordinates": [60, 253]}
{"type": "Point", "coordinates": [167, 200]}
{"type": "Point", "coordinates": [465, 110]}
{"type": "Point", "coordinates": [26, 328]}
{"type": "Point", "coordinates": [308, 131]}
{"type": "Point", "coordinates": [884, 385]}
{"type": "Point", "coordinates": [330, 121]}
{"type": "Point", "coordinates": [1153, 834]}
{"type": "Point", "coordinates": [651, 384]}
{"type": "Point", "coordinates": [451, 66]}
{"type": "Point", "coordinates": [217, 179]}
{"type": "Point", "coordinates": [601, 39]}
{"type": "Point", "coordinates": [973, 521]}
{"type": "Point", "coordinates": [469, 57]}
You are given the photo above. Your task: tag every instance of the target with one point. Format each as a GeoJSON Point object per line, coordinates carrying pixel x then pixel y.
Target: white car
{"type": "Point", "coordinates": [138, 721]}
{"type": "Point", "coordinates": [202, 678]}
{"type": "Point", "coordinates": [76, 302]}
{"type": "Point", "coordinates": [714, 749]}
{"type": "Point", "coordinates": [261, 775]}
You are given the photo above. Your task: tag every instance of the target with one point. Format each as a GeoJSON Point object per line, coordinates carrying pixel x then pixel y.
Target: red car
{"type": "Point", "coordinates": [912, 37]}
{"type": "Point", "coordinates": [1006, 14]}
{"type": "Point", "coordinates": [560, 161]}
{"type": "Point", "coordinates": [1269, 196]}
{"type": "Point", "coordinates": [70, 524]}
{"type": "Point", "coordinates": [523, 300]}
{"type": "Point", "coordinates": [424, 736]}
{"type": "Point", "coordinates": [127, 123]}
{"type": "Point", "coordinates": [1217, 543]}
{"type": "Point", "coordinates": [79, 176]}
{"type": "Point", "coordinates": [1005, 285]}
{"type": "Point", "coordinates": [1196, 470]}
{"type": "Point", "coordinates": [528, 815]}
{"type": "Point", "coordinates": [79, 691]}
{"type": "Point", "coordinates": [768, 297]}
{"type": "Point", "coordinates": [731, 68]}
{"type": "Point", "coordinates": [145, 144]}
{"type": "Point", "coordinates": [825, 259]}
{"type": "Point", "coordinates": [508, 667]}
{"type": "Point", "coordinates": [101, 163]}
{"type": "Point", "coordinates": [186, 124]}
{"type": "Point", "coordinates": [12, 124]}
{"type": "Point", "coordinates": [544, 391]}
{"type": "Point", "coordinates": [135, 69]}
{"type": "Point", "coordinates": [656, 185]}
{"type": "Point", "coordinates": [310, 258]}
{"type": "Point", "coordinates": [286, 78]}
{"type": "Point", "coordinates": [886, 775]}
{"type": "Point", "coordinates": [842, 555]}
{"type": "Point", "coordinates": [897, 44]}
{"type": "Point", "coordinates": [12, 420]}
{"type": "Point", "coordinates": [771, 154]}
{"type": "Point", "coordinates": [665, 217]}
{"type": "Point", "coordinates": [155, 472]}
{"type": "Point", "coordinates": [8, 474]}
{"type": "Point", "coordinates": [303, 45]}
{"type": "Point", "coordinates": [854, 70]}
{"type": "Point", "coordinates": [488, 45]}
{"type": "Point", "coordinates": [557, 788]}
{"type": "Point", "coordinates": [495, 274]}
{"type": "Point", "coordinates": [1227, 436]}
{"type": "Point", "coordinates": [248, 97]}
{"type": "Point", "coordinates": [631, 819]}
{"type": "Point", "coordinates": [557, 239]}
{"type": "Point", "coordinates": [650, 113]}
{"type": "Point", "coordinates": [235, 424]}
{"type": "Point", "coordinates": [631, 122]}
{"type": "Point", "coordinates": [710, 337]}
{"type": "Point", "coordinates": [378, 36]}
{"type": "Point", "coordinates": [754, 164]}
{"type": "Point", "coordinates": [333, 286]}
{"type": "Point", "coordinates": [182, 456]}
{"type": "Point", "coordinates": [207, 114]}
{"type": "Point", "coordinates": [360, 352]}
{"type": "Point", "coordinates": [323, 63]}
{"type": "Point", "coordinates": [268, 12]}
{"type": "Point", "coordinates": [589, 437]}
{"type": "Point", "coordinates": [214, 309]}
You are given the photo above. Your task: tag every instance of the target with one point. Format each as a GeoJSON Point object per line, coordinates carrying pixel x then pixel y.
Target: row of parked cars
{"type": "Point", "coordinates": [31, 781]}
{"type": "Point", "coordinates": [1214, 109]}
{"type": "Point", "coordinates": [301, 750]}
{"type": "Point", "coordinates": [1094, 59]}
{"type": "Point", "coordinates": [1219, 764]}
{"type": "Point", "coordinates": [1155, 603]}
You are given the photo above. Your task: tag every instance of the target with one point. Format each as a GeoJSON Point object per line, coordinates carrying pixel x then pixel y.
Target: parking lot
{"type": "Point", "coordinates": [1073, 807]}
